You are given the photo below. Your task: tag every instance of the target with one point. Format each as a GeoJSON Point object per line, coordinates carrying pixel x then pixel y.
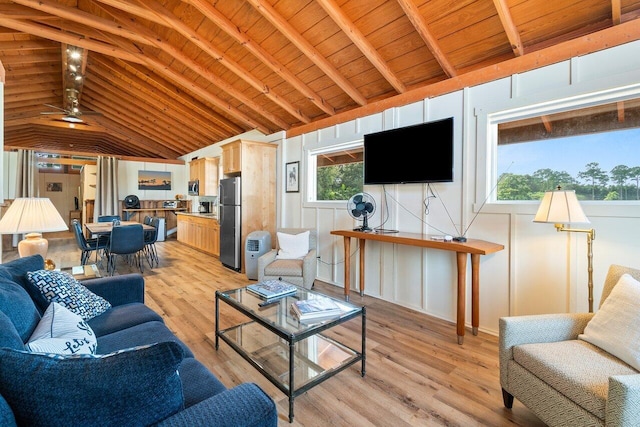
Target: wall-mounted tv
{"type": "Point", "coordinates": [412, 154]}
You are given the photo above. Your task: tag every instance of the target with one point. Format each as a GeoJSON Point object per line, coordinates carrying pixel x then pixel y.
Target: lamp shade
{"type": "Point", "coordinates": [560, 207]}
{"type": "Point", "coordinates": [31, 215]}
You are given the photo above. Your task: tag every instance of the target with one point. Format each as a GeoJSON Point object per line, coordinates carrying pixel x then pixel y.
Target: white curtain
{"type": "Point", "coordinates": [27, 180]}
{"type": "Point", "coordinates": [106, 188]}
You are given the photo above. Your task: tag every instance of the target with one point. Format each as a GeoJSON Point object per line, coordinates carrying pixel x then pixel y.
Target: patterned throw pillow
{"type": "Point", "coordinates": [133, 387]}
{"type": "Point", "coordinates": [60, 287]}
{"type": "Point", "coordinates": [62, 332]}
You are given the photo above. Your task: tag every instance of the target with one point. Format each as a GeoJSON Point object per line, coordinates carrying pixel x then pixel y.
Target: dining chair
{"type": "Point", "coordinates": [150, 239]}
{"type": "Point", "coordinates": [108, 218]}
{"type": "Point", "coordinates": [126, 241]}
{"type": "Point", "coordinates": [88, 245]}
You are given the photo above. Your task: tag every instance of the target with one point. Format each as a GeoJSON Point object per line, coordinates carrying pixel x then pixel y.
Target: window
{"type": "Point", "coordinates": [594, 150]}
{"type": "Point", "coordinates": [335, 173]}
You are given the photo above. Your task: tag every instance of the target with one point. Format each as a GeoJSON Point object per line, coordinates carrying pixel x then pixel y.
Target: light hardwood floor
{"type": "Point", "coordinates": [416, 373]}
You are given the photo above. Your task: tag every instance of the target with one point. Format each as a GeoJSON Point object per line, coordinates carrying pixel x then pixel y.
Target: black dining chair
{"type": "Point", "coordinates": [88, 245]}
{"type": "Point", "coordinates": [108, 218]}
{"type": "Point", "coordinates": [150, 239]}
{"type": "Point", "coordinates": [126, 241]}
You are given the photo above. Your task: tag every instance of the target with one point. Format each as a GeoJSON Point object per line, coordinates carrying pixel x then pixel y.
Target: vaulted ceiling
{"type": "Point", "coordinates": [159, 79]}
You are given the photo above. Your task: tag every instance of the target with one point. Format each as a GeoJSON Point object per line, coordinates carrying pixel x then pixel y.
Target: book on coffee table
{"type": "Point", "coordinates": [315, 308]}
{"type": "Point", "coordinates": [270, 289]}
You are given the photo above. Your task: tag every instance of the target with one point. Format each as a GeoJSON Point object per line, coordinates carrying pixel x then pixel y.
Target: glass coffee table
{"type": "Point", "coordinates": [295, 356]}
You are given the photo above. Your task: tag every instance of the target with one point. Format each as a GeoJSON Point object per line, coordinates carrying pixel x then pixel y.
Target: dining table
{"type": "Point", "coordinates": [104, 228]}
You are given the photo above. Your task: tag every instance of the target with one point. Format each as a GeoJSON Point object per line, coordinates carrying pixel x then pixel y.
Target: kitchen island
{"type": "Point", "coordinates": [200, 231]}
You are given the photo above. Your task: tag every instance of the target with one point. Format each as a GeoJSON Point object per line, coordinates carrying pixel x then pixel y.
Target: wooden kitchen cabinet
{"type": "Point", "coordinates": [205, 170]}
{"type": "Point", "coordinates": [202, 233]}
{"type": "Point", "coordinates": [255, 163]}
{"type": "Point", "coordinates": [232, 158]}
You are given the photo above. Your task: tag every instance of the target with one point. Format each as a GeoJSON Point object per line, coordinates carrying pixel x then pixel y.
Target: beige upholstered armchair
{"type": "Point", "coordinates": [300, 268]}
{"type": "Point", "coordinates": [566, 380]}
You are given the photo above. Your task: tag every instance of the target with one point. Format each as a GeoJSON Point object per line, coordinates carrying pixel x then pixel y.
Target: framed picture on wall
{"type": "Point", "coordinates": [54, 186]}
{"type": "Point", "coordinates": [292, 175]}
{"type": "Point", "coordinates": [153, 180]}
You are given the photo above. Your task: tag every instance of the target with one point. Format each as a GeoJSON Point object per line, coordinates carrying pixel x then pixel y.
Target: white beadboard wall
{"type": "Point", "coordinates": [539, 271]}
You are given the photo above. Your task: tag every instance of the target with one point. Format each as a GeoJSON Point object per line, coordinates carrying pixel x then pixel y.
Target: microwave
{"type": "Point", "coordinates": [194, 188]}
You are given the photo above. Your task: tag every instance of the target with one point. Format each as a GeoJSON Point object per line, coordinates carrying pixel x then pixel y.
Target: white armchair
{"type": "Point", "coordinates": [299, 271]}
{"type": "Point", "coordinates": [564, 380]}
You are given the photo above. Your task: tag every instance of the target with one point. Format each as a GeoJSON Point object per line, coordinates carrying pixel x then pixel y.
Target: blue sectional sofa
{"type": "Point", "coordinates": [140, 374]}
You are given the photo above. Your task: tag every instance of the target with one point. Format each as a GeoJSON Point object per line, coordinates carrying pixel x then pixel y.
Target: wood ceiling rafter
{"type": "Point", "coordinates": [174, 76]}
{"type": "Point", "coordinates": [121, 77]}
{"type": "Point", "coordinates": [307, 49]}
{"type": "Point", "coordinates": [616, 11]}
{"type": "Point", "coordinates": [509, 27]}
{"type": "Point", "coordinates": [356, 36]}
{"type": "Point", "coordinates": [420, 24]}
{"type": "Point", "coordinates": [154, 64]}
{"type": "Point", "coordinates": [227, 62]}
{"type": "Point", "coordinates": [214, 15]}
{"type": "Point", "coordinates": [177, 55]}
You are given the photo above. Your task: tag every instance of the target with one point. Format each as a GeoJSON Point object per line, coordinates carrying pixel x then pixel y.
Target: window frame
{"type": "Point", "coordinates": [487, 140]}
{"type": "Point", "coordinates": [310, 186]}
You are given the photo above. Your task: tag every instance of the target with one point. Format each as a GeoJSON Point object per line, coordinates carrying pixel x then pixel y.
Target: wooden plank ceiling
{"type": "Point", "coordinates": [162, 78]}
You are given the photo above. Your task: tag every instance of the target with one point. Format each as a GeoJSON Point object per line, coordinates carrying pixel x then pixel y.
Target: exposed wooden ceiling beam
{"type": "Point", "coordinates": [155, 40]}
{"type": "Point", "coordinates": [616, 12]}
{"type": "Point", "coordinates": [224, 60]}
{"type": "Point", "coordinates": [420, 24]}
{"type": "Point", "coordinates": [307, 49]}
{"type": "Point", "coordinates": [593, 42]}
{"type": "Point", "coordinates": [213, 14]}
{"type": "Point", "coordinates": [509, 27]}
{"type": "Point", "coordinates": [356, 36]}
{"type": "Point", "coordinates": [64, 37]}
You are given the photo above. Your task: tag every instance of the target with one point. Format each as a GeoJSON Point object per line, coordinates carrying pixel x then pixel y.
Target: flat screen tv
{"type": "Point", "coordinates": [413, 154]}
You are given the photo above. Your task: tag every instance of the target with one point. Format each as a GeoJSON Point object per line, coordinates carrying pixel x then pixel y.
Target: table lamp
{"type": "Point", "coordinates": [562, 207]}
{"type": "Point", "coordinates": [33, 216]}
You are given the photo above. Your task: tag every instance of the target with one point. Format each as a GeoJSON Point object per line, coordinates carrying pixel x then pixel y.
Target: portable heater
{"type": "Point", "coordinates": [258, 244]}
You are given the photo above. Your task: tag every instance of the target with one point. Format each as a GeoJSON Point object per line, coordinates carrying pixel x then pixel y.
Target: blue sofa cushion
{"type": "Point", "coordinates": [62, 288]}
{"type": "Point", "coordinates": [17, 271]}
{"type": "Point", "coordinates": [16, 303]}
{"type": "Point", "coordinates": [198, 383]}
{"type": "Point", "coordinates": [122, 317]}
{"type": "Point", "coordinates": [9, 336]}
{"type": "Point", "coordinates": [143, 334]}
{"type": "Point", "coordinates": [134, 387]}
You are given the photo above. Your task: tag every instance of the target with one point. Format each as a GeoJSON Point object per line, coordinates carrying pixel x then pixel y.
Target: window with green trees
{"type": "Point", "coordinates": [338, 172]}
{"type": "Point", "coordinates": [594, 151]}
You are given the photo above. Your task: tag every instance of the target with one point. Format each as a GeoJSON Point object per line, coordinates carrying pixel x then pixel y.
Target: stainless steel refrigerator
{"type": "Point", "coordinates": [230, 223]}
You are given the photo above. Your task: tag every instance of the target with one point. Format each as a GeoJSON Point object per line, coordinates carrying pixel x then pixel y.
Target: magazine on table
{"type": "Point", "coordinates": [270, 289]}
{"type": "Point", "coordinates": [315, 308]}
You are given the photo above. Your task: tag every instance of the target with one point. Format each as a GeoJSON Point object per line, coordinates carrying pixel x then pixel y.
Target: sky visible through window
{"type": "Point", "coordinates": [571, 154]}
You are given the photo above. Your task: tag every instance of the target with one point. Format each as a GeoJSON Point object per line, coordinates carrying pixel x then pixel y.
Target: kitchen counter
{"type": "Point", "coordinates": [199, 215]}
{"type": "Point", "coordinates": [200, 231]}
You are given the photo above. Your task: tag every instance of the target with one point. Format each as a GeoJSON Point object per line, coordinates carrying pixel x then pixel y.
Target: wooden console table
{"type": "Point", "coordinates": [471, 246]}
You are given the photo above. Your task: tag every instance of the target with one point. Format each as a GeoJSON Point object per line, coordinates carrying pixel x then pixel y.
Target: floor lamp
{"type": "Point", "coordinates": [562, 207]}
{"type": "Point", "coordinates": [32, 216]}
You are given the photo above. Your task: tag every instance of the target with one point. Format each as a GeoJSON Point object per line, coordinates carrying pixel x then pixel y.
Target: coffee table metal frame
{"type": "Point", "coordinates": [279, 320]}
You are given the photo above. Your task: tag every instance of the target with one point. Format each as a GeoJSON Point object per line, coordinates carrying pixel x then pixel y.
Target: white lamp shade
{"type": "Point", "coordinates": [560, 207]}
{"type": "Point", "coordinates": [31, 215]}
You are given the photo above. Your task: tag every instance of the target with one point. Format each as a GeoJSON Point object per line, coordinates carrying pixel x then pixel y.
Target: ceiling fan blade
{"type": "Point", "coordinates": [53, 106]}
{"type": "Point", "coordinates": [56, 113]}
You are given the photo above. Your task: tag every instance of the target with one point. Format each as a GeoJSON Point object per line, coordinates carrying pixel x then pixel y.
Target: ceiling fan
{"type": "Point", "coordinates": [72, 113]}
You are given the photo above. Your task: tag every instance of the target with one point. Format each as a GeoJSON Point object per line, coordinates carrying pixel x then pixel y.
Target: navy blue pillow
{"type": "Point", "coordinates": [17, 271]}
{"type": "Point", "coordinates": [133, 387]}
{"type": "Point", "coordinates": [9, 336]}
{"type": "Point", "coordinates": [17, 305]}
